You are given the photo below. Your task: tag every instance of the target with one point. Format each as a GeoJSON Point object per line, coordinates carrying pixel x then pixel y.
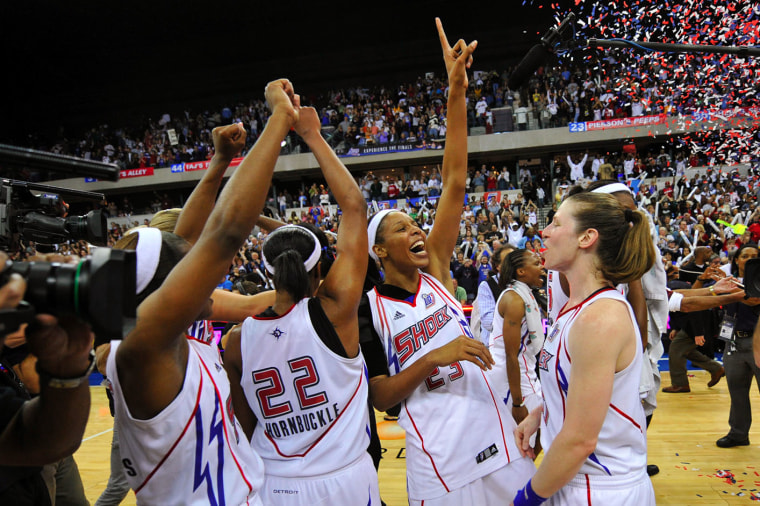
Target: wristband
{"type": "Point", "coordinates": [527, 497]}
{"type": "Point", "coordinates": [522, 404]}
{"type": "Point", "coordinates": [712, 291]}
{"type": "Point", "coordinates": [46, 378]}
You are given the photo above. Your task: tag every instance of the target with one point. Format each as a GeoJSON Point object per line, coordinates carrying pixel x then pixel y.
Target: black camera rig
{"type": "Point", "coordinates": [99, 289]}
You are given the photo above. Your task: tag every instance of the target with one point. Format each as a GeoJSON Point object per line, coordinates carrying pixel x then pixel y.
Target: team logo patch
{"type": "Point", "coordinates": [487, 453]}
{"type": "Point", "coordinates": [553, 333]}
{"type": "Point", "coordinates": [277, 333]}
{"type": "Point", "coordinates": [543, 360]}
{"type": "Point", "coordinates": [398, 315]}
{"type": "Point", "coordinates": [428, 299]}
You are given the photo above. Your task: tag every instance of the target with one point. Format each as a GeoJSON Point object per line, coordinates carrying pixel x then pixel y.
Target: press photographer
{"type": "Point", "coordinates": [50, 427]}
{"type": "Point", "coordinates": [52, 310]}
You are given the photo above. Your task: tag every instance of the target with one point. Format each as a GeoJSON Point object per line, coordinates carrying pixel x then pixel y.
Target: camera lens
{"type": "Point", "coordinates": [90, 227]}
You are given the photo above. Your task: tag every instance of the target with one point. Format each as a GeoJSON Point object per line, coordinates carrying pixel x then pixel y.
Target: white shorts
{"type": "Point", "coordinates": [493, 489]}
{"type": "Point", "coordinates": [349, 486]}
{"type": "Point", "coordinates": [629, 490]}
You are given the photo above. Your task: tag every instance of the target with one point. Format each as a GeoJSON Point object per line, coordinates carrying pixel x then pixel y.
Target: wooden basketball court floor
{"type": "Point", "coordinates": [681, 442]}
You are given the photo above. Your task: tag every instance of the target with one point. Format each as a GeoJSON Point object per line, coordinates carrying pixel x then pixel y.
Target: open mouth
{"type": "Point", "coordinates": [418, 247]}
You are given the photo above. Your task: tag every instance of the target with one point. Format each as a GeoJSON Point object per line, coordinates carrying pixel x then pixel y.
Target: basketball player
{"type": "Point", "coordinates": [458, 451]}
{"type": "Point", "coordinates": [593, 428]}
{"type": "Point", "coordinates": [299, 385]}
{"type": "Point", "coordinates": [518, 335]}
{"type": "Point", "coordinates": [179, 440]}
{"type": "Point", "coordinates": [648, 298]}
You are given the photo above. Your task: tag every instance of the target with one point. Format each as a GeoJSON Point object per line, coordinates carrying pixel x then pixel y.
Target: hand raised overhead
{"type": "Point", "coordinates": [229, 140]}
{"type": "Point", "coordinates": [457, 58]}
{"type": "Point", "coordinates": [280, 94]}
{"type": "Point", "coordinates": [308, 122]}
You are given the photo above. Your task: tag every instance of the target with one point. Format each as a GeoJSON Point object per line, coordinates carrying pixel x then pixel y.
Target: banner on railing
{"type": "Point", "coordinates": [736, 116]}
{"type": "Point", "coordinates": [202, 165]}
{"type": "Point", "coordinates": [380, 149]}
{"type": "Point", "coordinates": [607, 124]}
{"type": "Point", "coordinates": [143, 171]}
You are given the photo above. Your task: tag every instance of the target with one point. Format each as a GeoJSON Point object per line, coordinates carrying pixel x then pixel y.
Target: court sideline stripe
{"type": "Point", "coordinates": [96, 435]}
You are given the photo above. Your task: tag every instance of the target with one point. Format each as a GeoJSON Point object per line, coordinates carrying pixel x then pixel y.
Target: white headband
{"type": "Point", "coordinates": [612, 188]}
{"type": "Point", "coordinates": [310, 262]}
{"type": "Point", "coordinates": [149, 244]}
{"type": "Point", "coordinates": [374, 223]}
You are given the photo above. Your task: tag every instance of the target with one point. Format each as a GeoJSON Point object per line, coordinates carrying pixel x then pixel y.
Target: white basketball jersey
{"type": "Point", "coordinates": [193, 451]}
{"type": "Point", "coordinates": [456, 429]}
{"type": "Point", "coordinates": [311, 404]}
{"type": "Point", "coordinates": [201, 330]}
{"type": "Point", "coordinates": [556, 297]}
{"type": "Point", "coordinates": [622, 444]}
{"type": "Point", "coordinates": [526, 356]}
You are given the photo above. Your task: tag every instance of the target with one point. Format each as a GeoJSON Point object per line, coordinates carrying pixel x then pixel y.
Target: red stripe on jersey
{"type": "Point", "coordinates": [384, 325]}
{"type": "Point", "coordinates": [498, 414]}
{"type": "Point", "coordinates": [270, 318]}
{"type": "Point", "coordinates": [621, 413]}
{"type": "Point", "coordinates": [559, 383]}
{"type": "Point", "coordinates": [527, 377]}
{"type": "Point", "coordinates": [271, 440]}
{"type": "Point", "coordinates": [563, 344]}
{"type": "Point", "coordinates": [192, 416]}
{"type": "Point", "coordinates": [414, 301]}
{"type": "Point", "coordinates": [577, 306]}
{"type": "Point", "coordinates": [224, 425]}
{"type": "Point", "coordinates": [588, 490]}
{"type": "Point", "coordinates": [442, 293]}
{"type": "Point", "coordinates": [567, 353]}
{"type": "Point", "coordinates": [422, 442]}
{"type": "Point", "coordinates": [450, 301]}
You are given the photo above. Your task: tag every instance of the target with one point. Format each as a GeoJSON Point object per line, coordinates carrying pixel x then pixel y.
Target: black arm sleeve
{"type": "Point", "coordinates": [372, 347]}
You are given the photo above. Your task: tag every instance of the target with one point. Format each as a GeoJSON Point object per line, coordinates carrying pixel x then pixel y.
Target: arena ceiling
{"type": "Point", "coordinates": [88, 62]}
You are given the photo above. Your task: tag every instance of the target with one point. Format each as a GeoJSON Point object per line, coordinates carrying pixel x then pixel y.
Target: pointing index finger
{"type": "Point", "coordinates": [442, 35]}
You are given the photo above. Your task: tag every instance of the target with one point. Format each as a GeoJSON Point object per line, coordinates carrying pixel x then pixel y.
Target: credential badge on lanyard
{"type": "Point", "coordinates": [727, 328]}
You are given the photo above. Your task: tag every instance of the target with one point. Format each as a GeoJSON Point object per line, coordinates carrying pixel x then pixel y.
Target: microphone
{"type": "Point", "coordinates": [536, 57]}
{"type": "Point", "coordinates": [541, 52]}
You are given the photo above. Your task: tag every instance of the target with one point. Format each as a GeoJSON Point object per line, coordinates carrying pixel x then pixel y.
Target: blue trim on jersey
{"type": "Point", "coordinates": [216, 431]}
{"type": "Point", "coordinates": [392, 357]}
{"type": "Point", "coordinates": [563, 383]}
{"type": "Point", "coordinates": [593, 458]}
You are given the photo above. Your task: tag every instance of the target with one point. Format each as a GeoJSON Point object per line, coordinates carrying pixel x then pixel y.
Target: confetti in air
{"type": "Point", "coordinates": [719, 90]}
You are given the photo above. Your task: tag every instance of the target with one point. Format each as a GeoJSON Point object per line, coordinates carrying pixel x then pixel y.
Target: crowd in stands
{"type": "Point", "coordinates": [702, 210]}
{"type": "Point", "coordinates": [412, 112]}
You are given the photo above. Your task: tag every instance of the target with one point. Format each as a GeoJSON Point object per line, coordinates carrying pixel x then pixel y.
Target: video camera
{"type": "Point", "coordinates": [42, 218]}
{"type": "Point", "coordinates": [99, 289]}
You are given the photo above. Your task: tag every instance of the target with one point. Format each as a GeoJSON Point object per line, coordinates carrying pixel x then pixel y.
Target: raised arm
{"type": "Point", "coordinates": [201, 201]}
{"type": "Point", "coordinates": [155, 351]}
{"type": "Point", "coordinates": [342, 289]}
{"type": "Point", "coordinates": [442, 239]}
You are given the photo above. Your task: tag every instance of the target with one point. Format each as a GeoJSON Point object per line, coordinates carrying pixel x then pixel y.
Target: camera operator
{"type": "Point", "coordinates": [50, 427]}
